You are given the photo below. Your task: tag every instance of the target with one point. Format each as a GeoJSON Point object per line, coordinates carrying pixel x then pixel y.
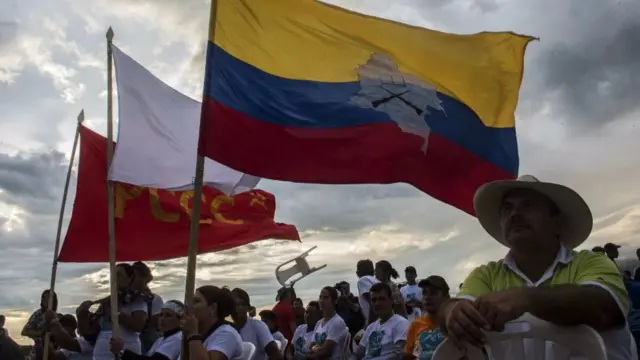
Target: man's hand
{"type": "Point", "coordinates": [189, 324]}
{"type": "Point", "coordinates": [117, 345]}
{"type": "Point", "coordinates": [464, 323]}
{"type": "Point", "coordinates": [50, 316]}
{"type": "Point", "coordinates": [501, 307]}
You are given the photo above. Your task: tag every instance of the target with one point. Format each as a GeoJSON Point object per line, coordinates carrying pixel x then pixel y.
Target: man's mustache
{"type": "Point", "coordinates": [517, 222]}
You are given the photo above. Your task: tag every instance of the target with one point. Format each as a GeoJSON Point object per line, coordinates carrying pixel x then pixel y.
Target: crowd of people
{"type": "Point", "coordinates": [541, 224]}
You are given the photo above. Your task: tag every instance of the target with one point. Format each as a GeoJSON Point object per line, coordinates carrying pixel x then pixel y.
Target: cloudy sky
{"type": "Point", "coordinates": [577, 124]}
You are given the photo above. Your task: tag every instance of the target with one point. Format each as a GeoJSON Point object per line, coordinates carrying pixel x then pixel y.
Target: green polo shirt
{"type": "Point", "coordinates": [569, 267]}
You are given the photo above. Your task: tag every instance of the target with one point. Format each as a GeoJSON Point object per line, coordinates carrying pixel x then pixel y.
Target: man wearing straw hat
{"type": "Point", "coordinates": [541, 223]}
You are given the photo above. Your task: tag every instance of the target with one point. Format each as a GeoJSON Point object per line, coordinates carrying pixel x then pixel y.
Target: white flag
{"type": "Point", "coordinates": [158, 135]}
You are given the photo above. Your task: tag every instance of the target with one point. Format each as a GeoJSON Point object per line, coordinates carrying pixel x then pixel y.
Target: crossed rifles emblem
{"type": "Point", "coordinates": [396, 95]}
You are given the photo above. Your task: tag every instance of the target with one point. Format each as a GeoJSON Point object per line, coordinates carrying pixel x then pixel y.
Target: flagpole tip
{"type": "Point", "coordinates": [81, 116]}
{"type": "Point", "coordinates": [110, 34]}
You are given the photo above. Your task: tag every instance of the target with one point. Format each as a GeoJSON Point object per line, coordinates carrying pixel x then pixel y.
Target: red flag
{"type": "Point", "coordinates": [153, 224]}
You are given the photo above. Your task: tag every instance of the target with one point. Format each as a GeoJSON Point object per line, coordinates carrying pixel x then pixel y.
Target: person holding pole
{"type": "Point", "coordinates": [167, 346]}
{"type": "Point", "coordinates": [99, 327]}
{"type": "Point", "coordinates": [63, 332]}
{"type": "Point", "coordinates": [208, 335]}
{"type": "Point", "coordinates": [34, 328]}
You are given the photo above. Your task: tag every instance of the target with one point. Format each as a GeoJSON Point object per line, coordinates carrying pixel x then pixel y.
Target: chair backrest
{"type": "Point", "coordinates": [300, 266]}
{"type": "Point", "coordinates": [531, 338]}
{"type": "Point", "coordinates": [347, 347]}
{"type": "Point", "coordinates": [284, 346]}
{"type": "Point", "coordinates": [278, 343]}
{"type": "Point", "coordinates": [248, 349]}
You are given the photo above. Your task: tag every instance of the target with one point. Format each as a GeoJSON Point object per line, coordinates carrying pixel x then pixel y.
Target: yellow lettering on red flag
{"type": "Point", "coordinates": [215, 209]}
{"type": "Point", "coordinates": [156, 207]}
{"type": "Point", "coordinates": [184, 203]}
{"type": "Point", "coordinates": [122, 196]}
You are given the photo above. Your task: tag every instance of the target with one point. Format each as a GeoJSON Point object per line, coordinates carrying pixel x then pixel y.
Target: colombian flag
{"type": "Point", "coordinates": [299, 90]}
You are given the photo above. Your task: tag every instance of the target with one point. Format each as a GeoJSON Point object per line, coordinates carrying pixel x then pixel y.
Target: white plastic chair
{"type": "Point", "coordinates": [279, 344]}
{"type": "Point", "coordinates": [248, 349]}
{"type": "Point", "coordinates": [301, 267]}
{"type": "Point", "coordinates": [541, 339]}
{"type": "Point", "coordinates": [284, 346]}
{"type": "Point", "coordinates": [347, 347]}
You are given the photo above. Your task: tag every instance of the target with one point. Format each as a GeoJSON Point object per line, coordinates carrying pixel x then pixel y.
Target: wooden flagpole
{"type": "Point", "coordinates": [190, 282]}
{"type": "Point", "coordinates": [56, 250]}
{"type": "Point", "coordinates": [110, 192]}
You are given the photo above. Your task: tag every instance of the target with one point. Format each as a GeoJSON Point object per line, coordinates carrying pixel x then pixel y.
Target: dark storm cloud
{"type": "Point", "coordinates": [596, 80]}
{"type": "Point", "coordinates": [33, 182]}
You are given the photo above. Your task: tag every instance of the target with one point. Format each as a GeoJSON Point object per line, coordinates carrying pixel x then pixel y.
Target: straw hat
{"type": "Point", "coordinates": [577, 219]}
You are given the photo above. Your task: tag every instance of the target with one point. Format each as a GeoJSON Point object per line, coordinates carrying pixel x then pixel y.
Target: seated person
{"type": "Point", "coordinates": [385, 338]}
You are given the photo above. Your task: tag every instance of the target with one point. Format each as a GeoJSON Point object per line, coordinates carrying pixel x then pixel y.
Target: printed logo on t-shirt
{"type": "Point", "coordinates": [374, 346]}
{"type": "Point", "coordinates": [427, 342]}
{"type": "Point", "coordinates": [299, 346]}
{"type": "Point", "coordinates": [320, 338]}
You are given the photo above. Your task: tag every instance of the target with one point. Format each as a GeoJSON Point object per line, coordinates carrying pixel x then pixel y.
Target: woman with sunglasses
{"type": "Point", "coordinates": [166, 347]}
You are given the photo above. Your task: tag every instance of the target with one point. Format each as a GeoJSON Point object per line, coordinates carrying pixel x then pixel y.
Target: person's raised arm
{"type": "Point", "coordinates": [86, 327]}
{"type": "Point", "coordinates": [63, 338]}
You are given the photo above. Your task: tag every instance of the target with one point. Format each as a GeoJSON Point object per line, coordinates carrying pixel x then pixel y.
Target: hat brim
{"type": "Point", "coordinates": [577, 221]}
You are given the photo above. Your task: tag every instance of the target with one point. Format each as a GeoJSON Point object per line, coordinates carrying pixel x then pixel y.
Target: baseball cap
{"type": "Point", "coordinates": [435, 281]}
{"type": "Point", "coordinates": [611, 246]}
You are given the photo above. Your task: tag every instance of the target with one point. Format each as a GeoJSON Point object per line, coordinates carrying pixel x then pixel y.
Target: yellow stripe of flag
{"type": "Point", "coordinates": [310, 40]}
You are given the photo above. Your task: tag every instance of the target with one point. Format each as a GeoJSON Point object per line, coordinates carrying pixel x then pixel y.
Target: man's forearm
{"type": "Point", "coordinates": [396, 352]}
{"type": "Point", "coordinates": [571, 305]}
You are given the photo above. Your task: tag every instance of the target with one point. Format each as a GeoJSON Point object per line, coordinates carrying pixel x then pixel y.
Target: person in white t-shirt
{"type": "Point", "coordinates": [132, 317]}
{"type": "Point", "coordinates": [385, 338]}
{"type": "Point", "coordinates": [209, 336]}
{"type": "Point", "coordinates": [252, 330]}
{"type": "Point", "coordinates": [412, 294]}
{"type": "Point", "coordinates": [366, 279]}
{"type": "Point", "coordinates": [331, 332]}
{"type": "Point", "coordinates": [142, 278]}
{"type": "Point", "coordinates": [303, 336]}
{"type": "Point", "coordinates": [166, 347]}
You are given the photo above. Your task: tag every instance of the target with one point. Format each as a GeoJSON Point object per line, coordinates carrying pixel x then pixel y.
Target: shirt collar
{"type": "Point", "coordinates": [564, 256]}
